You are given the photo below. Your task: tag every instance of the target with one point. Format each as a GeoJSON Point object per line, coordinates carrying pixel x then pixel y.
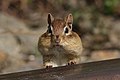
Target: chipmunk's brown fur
{"type": "Point", "coordinates": [60, 45]}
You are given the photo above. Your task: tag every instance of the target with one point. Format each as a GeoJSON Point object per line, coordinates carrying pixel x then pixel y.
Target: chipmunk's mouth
{"type": "Point", "coordinates": [57, 44]}
{"type": "Point", "coordinates": [57, 41]}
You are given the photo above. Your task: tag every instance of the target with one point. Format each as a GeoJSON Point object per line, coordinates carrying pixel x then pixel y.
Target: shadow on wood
{"type": "Point", "coordinates": [101, 70]}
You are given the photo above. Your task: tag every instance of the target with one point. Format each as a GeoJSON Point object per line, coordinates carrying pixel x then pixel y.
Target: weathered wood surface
{"type": "Point", "coordinates": [101, 70]}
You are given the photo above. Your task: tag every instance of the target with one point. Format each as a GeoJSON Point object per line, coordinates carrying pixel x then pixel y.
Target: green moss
{"type": "Point", "coordinates": [109, 6]}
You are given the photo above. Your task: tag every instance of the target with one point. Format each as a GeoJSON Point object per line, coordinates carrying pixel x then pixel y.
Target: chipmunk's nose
{"type": "Point", "coordinates": [57, 39]}
{"type": "Point", "coordinates": [57, 36]}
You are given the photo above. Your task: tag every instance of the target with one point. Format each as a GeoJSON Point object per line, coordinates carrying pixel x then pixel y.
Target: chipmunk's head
{"type": "Point", "coordinates": [59, 28]}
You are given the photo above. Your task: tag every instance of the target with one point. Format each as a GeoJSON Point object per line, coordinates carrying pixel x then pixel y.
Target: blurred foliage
{"type": "Point", "coordinates": [110, 5]}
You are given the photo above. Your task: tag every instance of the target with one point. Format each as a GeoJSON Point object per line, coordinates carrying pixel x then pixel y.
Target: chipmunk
{"type": "Point", "coordinates": [59, 45]}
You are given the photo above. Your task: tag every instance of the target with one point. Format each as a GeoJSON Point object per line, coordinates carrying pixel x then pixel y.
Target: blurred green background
{"type": "Point", "coordinates": [23, 21]}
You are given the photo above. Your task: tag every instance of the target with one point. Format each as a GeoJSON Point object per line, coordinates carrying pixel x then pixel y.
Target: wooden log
{"type": "Point", "coordinates": [101, 70]}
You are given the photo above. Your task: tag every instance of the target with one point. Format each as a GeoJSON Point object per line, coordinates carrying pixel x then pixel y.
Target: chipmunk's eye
{"type": "Point", "coordinates": [70, 26]}
{"type": "Point", "coordinates": [66, 30]}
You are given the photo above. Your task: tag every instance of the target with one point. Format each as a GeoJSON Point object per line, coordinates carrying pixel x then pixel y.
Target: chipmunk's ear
{"type": "Point", "coordinates": [50, 18]}
{"type": "Point", "coordinates": [69, 19]}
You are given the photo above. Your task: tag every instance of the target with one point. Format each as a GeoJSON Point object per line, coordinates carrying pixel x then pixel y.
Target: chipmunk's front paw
{"type": "Point", "coordinates": [71, 62]}
{"type": "Point", "coordinates": [50, 65]}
